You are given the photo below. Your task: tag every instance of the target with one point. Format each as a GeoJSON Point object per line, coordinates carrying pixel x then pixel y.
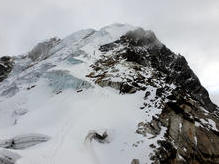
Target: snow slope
{"type": "Point", "coordinates": [53, 97]}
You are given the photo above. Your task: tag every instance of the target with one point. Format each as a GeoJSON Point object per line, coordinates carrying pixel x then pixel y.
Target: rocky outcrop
{"type": "Point", "coordinates": [6, 65]}
{"type": "Point", "coordinates": [142, 47]}
{"type": "Point", "coordinates": [135, 161]}
{"type": "Point", "coordinates": [171, 87]}
{"type": "Point", "coordinates": [94, 135]}
{"type": "Point", "coordinates": [191, 137]}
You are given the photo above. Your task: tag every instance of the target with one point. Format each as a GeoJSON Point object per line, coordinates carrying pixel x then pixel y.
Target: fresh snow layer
{"type": "Point", "coordinates": [67, 116]}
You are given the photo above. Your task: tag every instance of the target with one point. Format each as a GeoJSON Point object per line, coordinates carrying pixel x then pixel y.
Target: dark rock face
{"type": "Point", "coordinates": [6, 65]}
{"type": "Point", "coordinates": [190, 118]}
{"type": "Point", "coordinates": [105, 69]}
{"type": "Point", "coordinates": [135, 161]}
{"type": "Point", "coordinates": [190, 139]}
{"type": "Point", "coordinates": [143, 48]}
{"type": "Point", "coordinates": [93, 135]}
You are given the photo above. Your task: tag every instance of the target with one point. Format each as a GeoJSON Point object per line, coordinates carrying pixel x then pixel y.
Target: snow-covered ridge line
{"type": "Point", "coordinates": [103, 96]}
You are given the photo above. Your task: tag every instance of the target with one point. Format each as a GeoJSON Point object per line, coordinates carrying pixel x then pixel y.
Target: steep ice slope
{"type": "Point", "coordinates": [63, 89]}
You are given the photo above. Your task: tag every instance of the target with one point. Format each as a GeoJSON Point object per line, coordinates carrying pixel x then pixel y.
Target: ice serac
{"type": "Point", "coordinates": [187, 112]}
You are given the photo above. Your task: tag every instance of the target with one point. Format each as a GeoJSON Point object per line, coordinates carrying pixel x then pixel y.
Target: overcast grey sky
{"type": "Point", "coordinates": [189, 27]}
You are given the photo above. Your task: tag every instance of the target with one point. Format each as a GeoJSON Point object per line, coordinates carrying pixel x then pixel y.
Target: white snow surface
{"type": "Point", "coordinates": [68, 116]}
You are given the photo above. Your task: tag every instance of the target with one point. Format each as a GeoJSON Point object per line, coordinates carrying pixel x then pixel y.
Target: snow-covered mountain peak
{"type": "Point", "coordinates": [114, 95]}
